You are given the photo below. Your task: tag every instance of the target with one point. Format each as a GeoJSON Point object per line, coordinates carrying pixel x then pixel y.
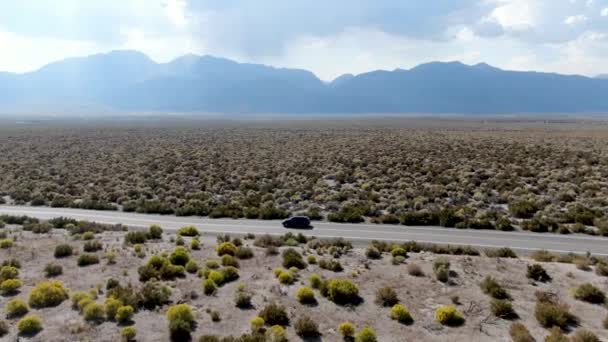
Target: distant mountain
{"type": "Point", "coordinates": [341, 80]}
{"type": "Point", "coordinates": [130, 81]}
{"type": "Point", "coordinates": [458, 88]}
{"type": "Point", "coordinates": [602, 76]}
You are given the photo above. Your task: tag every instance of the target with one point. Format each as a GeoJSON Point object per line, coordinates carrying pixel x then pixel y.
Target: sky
{"type": "Point", "coordinates": [329, 38]}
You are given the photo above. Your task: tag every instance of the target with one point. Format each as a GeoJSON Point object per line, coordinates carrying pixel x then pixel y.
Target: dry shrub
{"type": "Point", "coordinates": [520, 333]}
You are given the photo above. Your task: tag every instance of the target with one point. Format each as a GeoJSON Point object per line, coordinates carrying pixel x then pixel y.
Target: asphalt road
{"type": "Point", "coordinates": [358, 233]}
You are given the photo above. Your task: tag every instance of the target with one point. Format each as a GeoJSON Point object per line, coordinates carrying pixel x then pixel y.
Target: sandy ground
{"type": "Point", "coordinates": [422, 295]}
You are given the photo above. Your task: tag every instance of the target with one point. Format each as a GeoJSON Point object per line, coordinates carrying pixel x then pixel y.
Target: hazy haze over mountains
{"type": "Point", "coordinates": [130, 81]}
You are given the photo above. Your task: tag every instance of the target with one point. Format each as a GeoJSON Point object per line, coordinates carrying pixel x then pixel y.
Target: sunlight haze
{"type": "Point", "coordinates": [328, 38]}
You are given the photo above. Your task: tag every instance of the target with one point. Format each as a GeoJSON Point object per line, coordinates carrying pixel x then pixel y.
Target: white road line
{"type": "Point", "coordinates": [347, 231]}
{"type": "Point", "coordinates": [444, 236]}
{"type": "Point", "coordinates": [326, 226]}
{"type": "Point", "coordinates": [281, 232]}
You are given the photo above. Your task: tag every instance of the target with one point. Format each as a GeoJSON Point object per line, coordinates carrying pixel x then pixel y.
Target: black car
{"type": "Point", "coordinates": [301, 222]}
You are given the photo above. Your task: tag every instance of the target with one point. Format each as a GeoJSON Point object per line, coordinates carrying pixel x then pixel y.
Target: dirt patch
{"type": "Point", "coordinates": [422, 295]}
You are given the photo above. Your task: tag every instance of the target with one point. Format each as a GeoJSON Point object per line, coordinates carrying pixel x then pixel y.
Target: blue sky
{"type": "Point", "coordinates": [327, 37]}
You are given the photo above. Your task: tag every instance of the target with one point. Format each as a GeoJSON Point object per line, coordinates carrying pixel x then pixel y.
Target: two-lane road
{"type": "Point", "coordinates": [358, 233]}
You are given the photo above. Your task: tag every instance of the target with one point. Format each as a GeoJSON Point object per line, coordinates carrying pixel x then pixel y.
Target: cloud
{"type": "Point", "coordinates": [515, 16]}
{"type": "Point", "coordinates": [327, 37]}
{"type": "Point", "coordinates": [175, 11]}
{"type": "Point", "coordinates": [358, 50]}
{"type": "Point", "coordinates": [575, 19]}
{"type": "Point", "coordinates": [20, 53]}
{"type": "Point", "coordinates": [544, 21]}
{"type": "Point", "coordinates": [265, 27]}
{"type": "Point", "coordinates": [94, 20]}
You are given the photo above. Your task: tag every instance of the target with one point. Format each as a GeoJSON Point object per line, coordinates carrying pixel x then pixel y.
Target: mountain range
{"type": "Point", "coordinates": [131, 81]}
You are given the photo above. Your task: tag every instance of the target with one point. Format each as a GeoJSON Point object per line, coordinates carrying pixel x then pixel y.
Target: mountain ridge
{"type": "Point", "coordinates": [127, 80]}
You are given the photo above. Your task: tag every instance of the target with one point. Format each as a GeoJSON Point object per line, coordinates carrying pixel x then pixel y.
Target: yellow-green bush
{"type": "Point", "coordinates": [212, 264]}
{"type": "Point", "coordinates": [29, 325]}
{"type": "Point", "coordinates": [111, 306]}
{"type": "Point", "coordinates": [398, 251]}
{"type": "Point", "coordinates": [10, 286]}
{"type": "Point", "coordinates": [16, 308]}
{"type": "Point", "coordinates": [306, 295]}
{"type": "Point", "coordinates": [6, 243]}
{"type": "Point", "coordinates": [124, 314]}
{"type": "Point", "coordinates": [48, 293]}
{"type": "Point", "coordinates": [111, 257]}
{"type": "Point", "coordinates": [84, 302]}
{"type": "Point", "coordinates": [286, 277]}
{"type": "Point", "coordinates": [256, 323]}
{"type": "Point", "coordinates": [8, 272]}
{"type": "Point", "coordinates": [229, 260]}
{"type": "Point", "coordinates": [181, 320]}
{"type": "Point", "coordinates": [188, 231]}
{"type": "Point", "coordinates": [209, 287]}
{"type": "Point", "coordinates": [191, 266]}
{"type": "Point", "coordinates": [217, 277]}
{"type": "Point", "coordinates": [226, 248]}
{"type": "Point", "coordinates": [449, 315]}
{"type": "Point", "coordinates": [342, 291]}
{"type": "Point", "coordinates": [292, 258]}
{"type": "Point", "coordinates": [195, 244]}
{"type": "Point", "coordinates": [94, 312]}
{"type": "Point", "coordinates": [127, 334]}
{"type": "Point", "coordinates": [347, 329]}
{"type": "Point", "coordinates": [315, 281]}
{"type": "Point", "coordinates": [179, 256]}
{"type": "Point", "coordinates": [77, 297]}
{"type": "Point", "coordinates": [366, 334]}
{"type": "Point", "coordinates": [87, 259]}
{"type": "Point", "coordinates": [230, 273]}
{"type": "Point", "coordinates": [400, 313]}
{"type": "Point", "coordinates": [153, 294]}
{"type": "Point", "coordinates": [63, 250]}
{"type": "Point", "coordinates": [277, 272]}
{"type": "Point", "coordinates": [88, 236]}
{"type": "Point", "coordinates": [155, 232]}
{"type": "Point", "coordinates": [159, 267]}
{"type": "Point", "coordinates": [276, 333]}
